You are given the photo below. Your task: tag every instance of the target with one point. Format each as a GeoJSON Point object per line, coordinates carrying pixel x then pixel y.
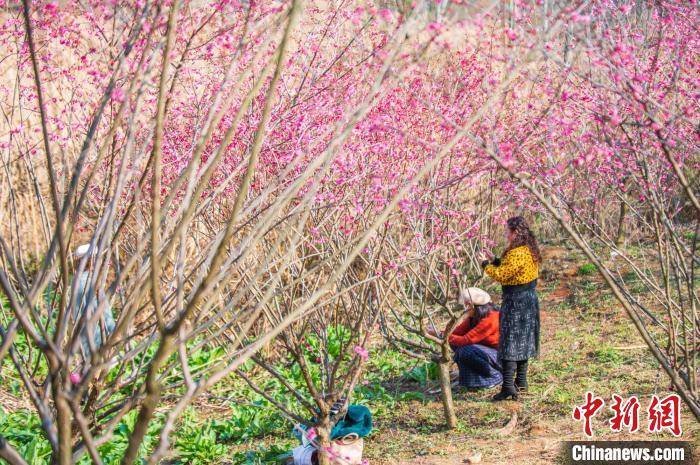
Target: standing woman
{"type": "Point", "coordinates": [517, 271]}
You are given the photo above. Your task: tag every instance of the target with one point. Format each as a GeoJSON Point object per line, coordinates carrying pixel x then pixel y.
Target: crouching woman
{"type": "Point", "coordinates": [475, 341]}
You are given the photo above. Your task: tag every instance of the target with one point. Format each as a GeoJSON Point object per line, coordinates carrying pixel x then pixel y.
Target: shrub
{"type": "Point", "coordinates": [587, 269]}
{"type": "Point", "coordinates": [423, 373]}
{"type": "Point", "coordinates": [200, 446]}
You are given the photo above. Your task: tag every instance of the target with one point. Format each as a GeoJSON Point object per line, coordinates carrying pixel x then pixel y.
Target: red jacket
{"type": "Point", "coordinates": [484, 333]}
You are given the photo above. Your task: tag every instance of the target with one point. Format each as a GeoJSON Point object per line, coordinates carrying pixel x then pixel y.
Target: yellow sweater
{"type": "Point", "coordinates": [517, 266]}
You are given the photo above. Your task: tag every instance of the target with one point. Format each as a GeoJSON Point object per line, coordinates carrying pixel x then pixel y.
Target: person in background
{"type": "Point", "coordinates": [517, 271]}
{"type": "Point", "coordinates": [347, 443]}
{"type": "Point", "coordinates": [86, 304]}
{"type": "Point", "coordinates": [475, 341]}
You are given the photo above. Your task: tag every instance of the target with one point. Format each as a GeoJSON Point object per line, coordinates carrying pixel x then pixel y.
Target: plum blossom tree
{"type": "Point", "coordinates": [611, 155]}
{"type": "Point", "coordinates": [117, 94]}
{"type": "Point", "coordinates": [599, 133]}
{"type": "Point", "coordinates": [254, 173]}
{"type": "Point", "coordinates": [326, 350]}
{"type": "Point", "coordinates": [440, 245]}
{"type": "Point", "coordinates": [179, 178]}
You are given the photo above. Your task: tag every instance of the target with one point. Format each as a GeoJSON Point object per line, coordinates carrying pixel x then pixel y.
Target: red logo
{"type": "Point", "coordinates": [626, 414]}
{"type": "Point", "coordinates": [587, 411]}
{"type": "Point", "coordinates": [665, 414]}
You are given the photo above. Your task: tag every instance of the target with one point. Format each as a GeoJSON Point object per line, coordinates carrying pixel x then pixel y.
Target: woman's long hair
{"type": "Point", "coordinates": [480, 312]}
{"type": "Point", "coordinates": [522, 235]}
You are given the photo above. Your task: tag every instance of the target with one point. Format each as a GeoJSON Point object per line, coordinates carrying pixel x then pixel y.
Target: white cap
{"type": "Point", "coordinates": [81, 251]}
{"type": "Point", "coordinates": [474, 295]}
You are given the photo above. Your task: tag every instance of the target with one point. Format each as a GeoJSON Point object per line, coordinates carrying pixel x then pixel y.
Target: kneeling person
{"type": "Point", "coordinates": [475, 341]}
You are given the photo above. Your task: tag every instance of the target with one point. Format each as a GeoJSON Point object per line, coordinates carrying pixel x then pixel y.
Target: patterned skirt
{"type": "Point", "coordinates": [519, 323]}
{"type": "Point", "coordinates": [478, 366]}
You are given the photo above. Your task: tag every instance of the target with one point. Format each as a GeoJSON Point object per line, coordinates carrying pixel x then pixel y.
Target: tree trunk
{"type": "Point", "coordinates": [620, 236]}
{"type": "Point", "coordinates": [323, 438]}
{"type": "Point", "coordinates": [446, 394]}
{"type": "Point", "coordinates": [63, 455]}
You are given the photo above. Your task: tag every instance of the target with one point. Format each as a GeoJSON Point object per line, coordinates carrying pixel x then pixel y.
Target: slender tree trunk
{"type": "Point", "coordinates": [620, 236]}
{"type": "Point", "coordinates": [9, 454]}
{"type": "Point", "coordinates": [63, 419]}
{"type": "Point", "coordinates": [150, 402]}
{"type": "Point", "coordinates": [323, 437]}
{"type": "Point", "coordinates": [446, 394]}
{"type": "Point", "coordinates": [63, 455]}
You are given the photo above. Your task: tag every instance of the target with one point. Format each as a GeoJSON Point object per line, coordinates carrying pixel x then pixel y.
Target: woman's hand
{"type": "Point", "coordinates": [484, 259]}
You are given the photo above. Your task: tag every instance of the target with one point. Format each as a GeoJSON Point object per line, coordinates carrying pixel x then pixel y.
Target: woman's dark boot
{"type": "Point", "coordinates": [508, 390]}
{"type": "Point", "coordinates": [521, 376]}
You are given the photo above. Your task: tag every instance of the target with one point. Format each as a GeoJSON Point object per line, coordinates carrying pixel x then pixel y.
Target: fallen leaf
{"type": "Point", "coordinates": [476, 458]}
{"type": "Point", "coordinates": [548, 390]}
{"type": "Point", "coordinates": [537, 430]}
{"type": "Point", "coordinates": [561, 293]}
{"type": "Point", "coordinates": [510, 426]}
{"type": "Point", "coordinates": [570, 272]}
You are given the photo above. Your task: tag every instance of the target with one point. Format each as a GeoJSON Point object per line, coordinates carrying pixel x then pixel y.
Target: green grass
{"type": "Point", "coordinates": [581, 351]}
{"type": "Point", "coordinates": [21, 429]}
{"type": "Point", "coordinates": [608, 355]}
{"type": "Point", "coordinates": [587, 269]}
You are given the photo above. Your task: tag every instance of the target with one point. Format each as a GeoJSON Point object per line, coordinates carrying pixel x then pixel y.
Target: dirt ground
{"type": "Point", "coordinates": [588, 343]}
